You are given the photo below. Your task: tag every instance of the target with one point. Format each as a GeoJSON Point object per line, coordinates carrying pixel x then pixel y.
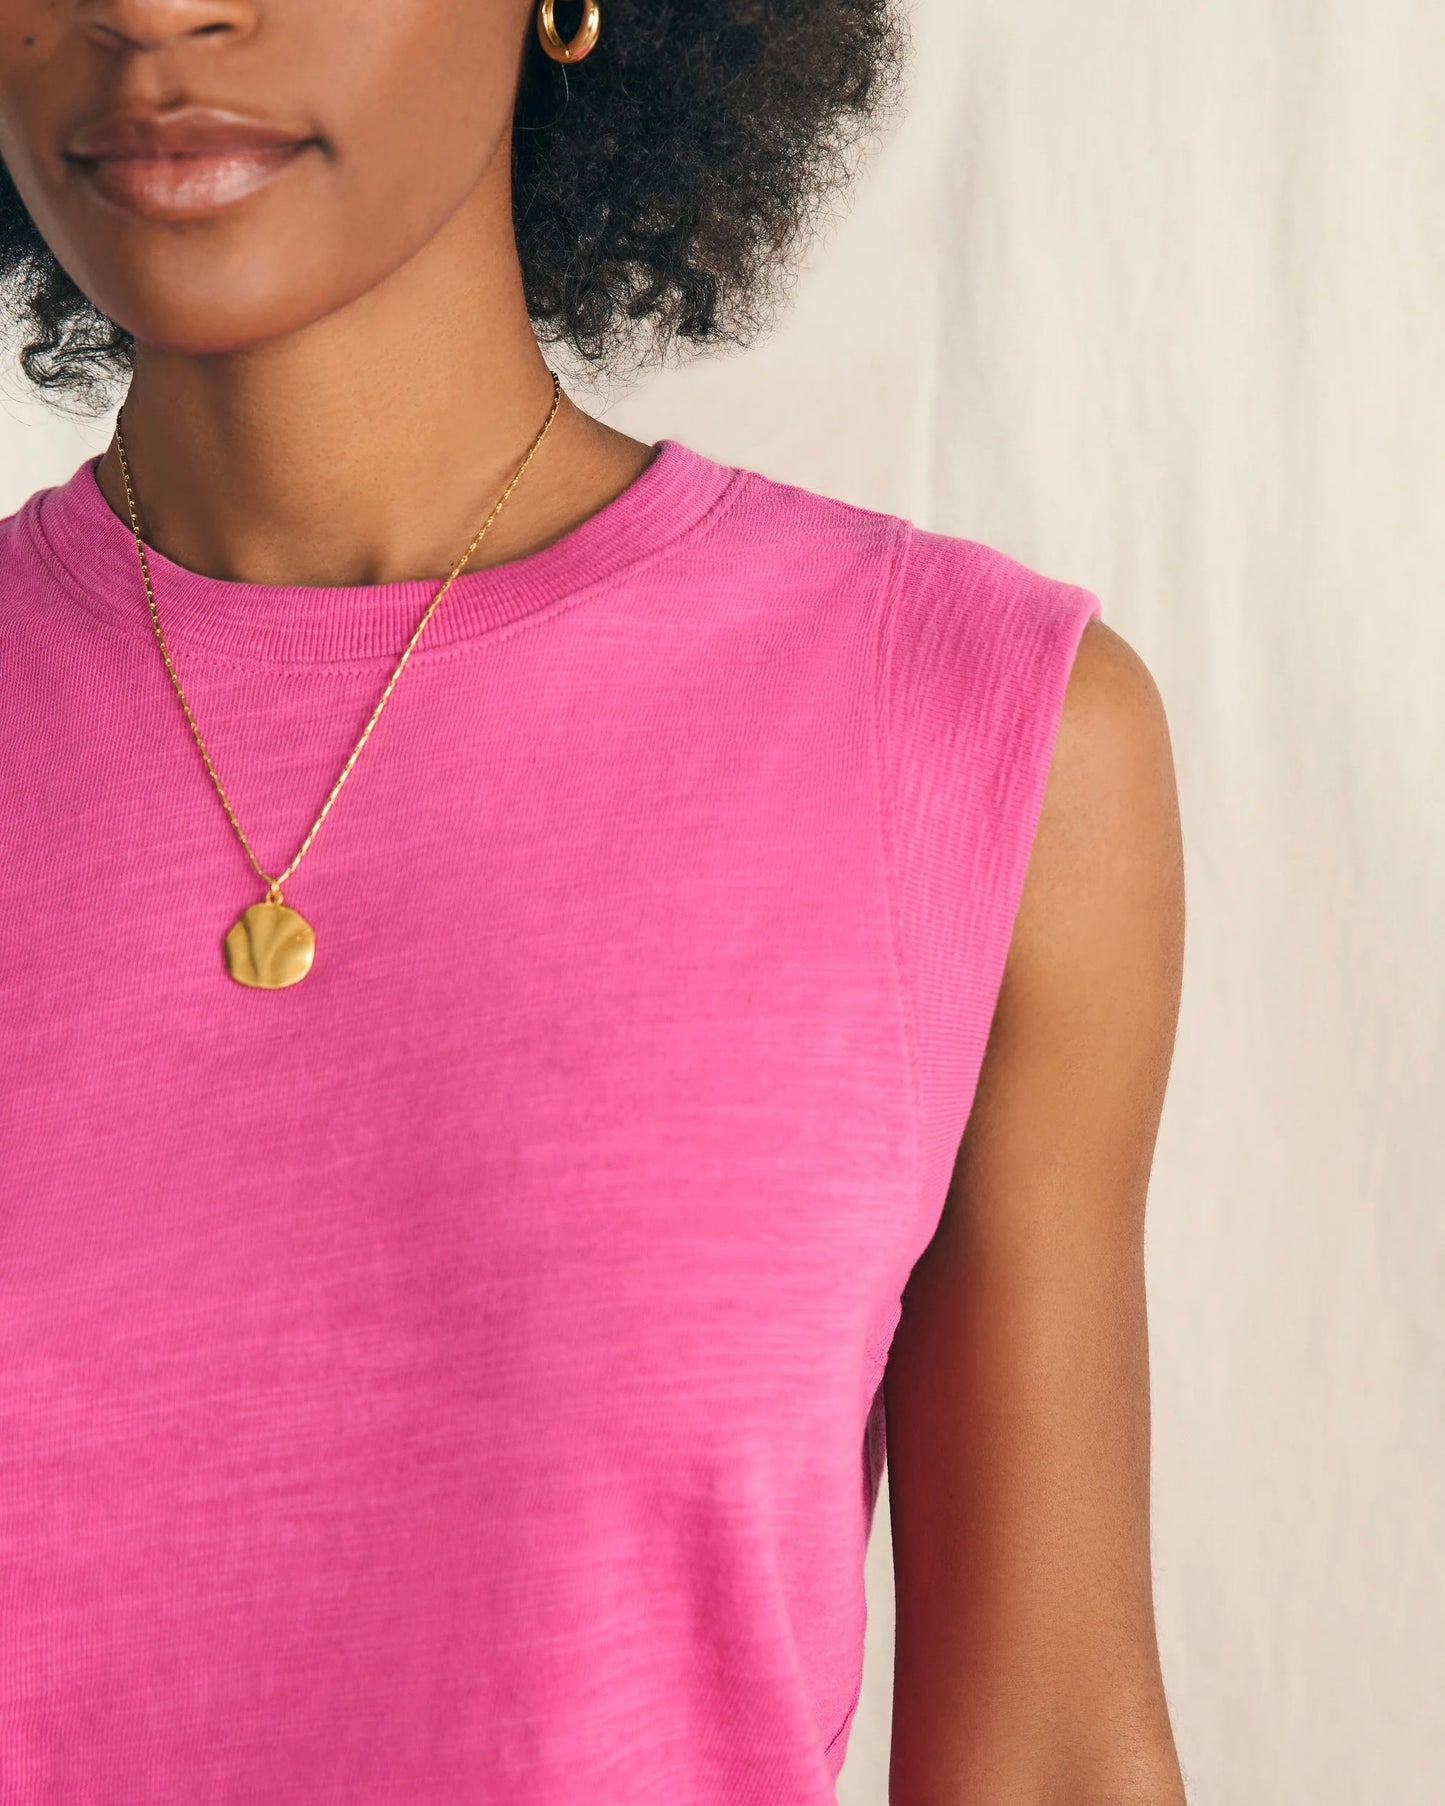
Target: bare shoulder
{"type": "Point", "coordinates": [1104, 890]}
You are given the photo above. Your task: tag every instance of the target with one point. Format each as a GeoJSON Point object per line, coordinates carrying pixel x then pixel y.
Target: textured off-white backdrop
{"type": "Point", "coordinates": [1153, 298]}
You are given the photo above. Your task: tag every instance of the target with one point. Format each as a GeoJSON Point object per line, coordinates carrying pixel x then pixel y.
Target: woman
{"type": "Point", "coordinates": [461, 1252]}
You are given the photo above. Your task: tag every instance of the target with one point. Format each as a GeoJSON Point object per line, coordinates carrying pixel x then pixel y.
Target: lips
{"type": "Point", "coordinates": [184, 163]}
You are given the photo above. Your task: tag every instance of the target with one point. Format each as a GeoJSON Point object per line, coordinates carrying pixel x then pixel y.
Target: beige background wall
{"type": "Point", "coordinates": [1153, 298]}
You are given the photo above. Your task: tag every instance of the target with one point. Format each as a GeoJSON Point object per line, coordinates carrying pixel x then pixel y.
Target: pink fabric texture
{"type": "Point", "coordinates": [455, 1379]}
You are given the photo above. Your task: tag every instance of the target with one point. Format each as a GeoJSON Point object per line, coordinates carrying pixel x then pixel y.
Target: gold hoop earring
{"type": "Point", "coordinates": [559, 48]}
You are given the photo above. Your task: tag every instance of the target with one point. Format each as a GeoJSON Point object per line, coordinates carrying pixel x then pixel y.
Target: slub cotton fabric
{"type": "Point", "coordinates": [455, 1380]}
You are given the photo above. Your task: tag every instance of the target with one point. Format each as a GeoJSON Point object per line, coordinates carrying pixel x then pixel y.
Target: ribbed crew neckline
{"type": "Point", "coordinates": [262, 623]}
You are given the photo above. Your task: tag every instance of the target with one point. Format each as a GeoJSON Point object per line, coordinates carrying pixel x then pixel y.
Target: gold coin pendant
{"type": "Point", "coordinates": [269, 946]}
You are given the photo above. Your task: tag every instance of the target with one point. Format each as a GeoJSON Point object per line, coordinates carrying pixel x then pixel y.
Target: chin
{"type": "Point", "coordinates": [194, 309]}
{"type": "Point", "coordinates": [204, 327]}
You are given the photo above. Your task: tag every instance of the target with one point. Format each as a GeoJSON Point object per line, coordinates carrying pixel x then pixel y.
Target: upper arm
{"type": "Point", "coordinates": [1016, 1389]}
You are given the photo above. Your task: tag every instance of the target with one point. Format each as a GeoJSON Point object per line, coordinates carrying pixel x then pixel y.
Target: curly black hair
{"type": "Point", "coordinates": [658, 186]}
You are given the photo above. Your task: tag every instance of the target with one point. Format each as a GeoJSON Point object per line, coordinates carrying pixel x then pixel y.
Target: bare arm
{"type": "Point", "coordinates": [1017, 1387]}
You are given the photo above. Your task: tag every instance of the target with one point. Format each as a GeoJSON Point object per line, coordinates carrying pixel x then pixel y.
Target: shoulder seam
{"type": "Point", "coordinates": [884, 772]}
{"type": "Point", "coordinates": [841, 504]}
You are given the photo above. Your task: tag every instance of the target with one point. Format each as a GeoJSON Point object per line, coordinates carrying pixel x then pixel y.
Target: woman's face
{"type": "Point", "coordinates": [384, 117]}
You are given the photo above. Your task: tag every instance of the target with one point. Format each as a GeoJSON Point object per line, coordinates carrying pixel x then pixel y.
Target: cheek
{"type": "Point", "coordinates": [414, 104]}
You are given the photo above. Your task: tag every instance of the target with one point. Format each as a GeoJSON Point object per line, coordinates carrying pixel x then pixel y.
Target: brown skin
{"type": "Point", "coordinates": [334, 379]}
{"type": "Point", "coordinates": [312, 403]}
{"type": "Point", "coordinates": [1017, 1386]}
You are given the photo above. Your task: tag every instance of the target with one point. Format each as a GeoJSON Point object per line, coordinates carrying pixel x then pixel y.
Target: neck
{"type": "Point", "coordinates": [370, 446]}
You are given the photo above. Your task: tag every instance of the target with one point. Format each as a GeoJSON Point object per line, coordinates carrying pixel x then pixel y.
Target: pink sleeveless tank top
{"type": "Point", "coordinates": [456, 1377]}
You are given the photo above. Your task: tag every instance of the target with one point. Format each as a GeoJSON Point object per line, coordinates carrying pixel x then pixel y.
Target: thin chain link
{"type": "Point", "coordinates": [274, 884]}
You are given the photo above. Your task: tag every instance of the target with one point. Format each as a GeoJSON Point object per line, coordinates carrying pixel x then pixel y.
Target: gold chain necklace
{"type": "Point", "coordinates": [271, 944]}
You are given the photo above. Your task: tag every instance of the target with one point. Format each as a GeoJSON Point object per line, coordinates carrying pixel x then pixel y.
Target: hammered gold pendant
{"type": "Point", "coordinates": [270, 945]}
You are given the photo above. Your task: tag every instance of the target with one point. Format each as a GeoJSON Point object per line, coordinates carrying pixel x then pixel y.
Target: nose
{"type": "Point", "coordinates": [157, 24]}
